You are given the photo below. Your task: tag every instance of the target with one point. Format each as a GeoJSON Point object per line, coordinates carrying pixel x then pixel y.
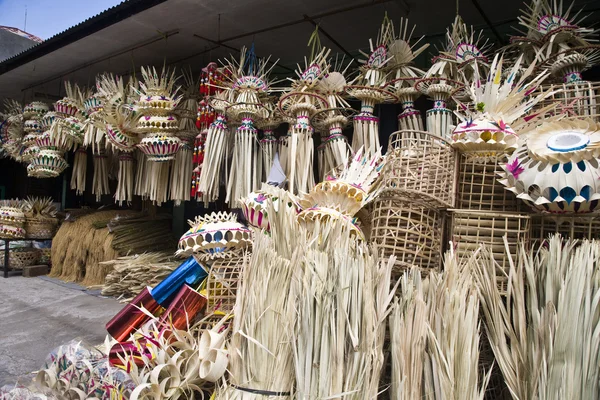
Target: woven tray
{"type": "Point", "coordinates": [422, 163]}
{"type": "Point", "coordinates": [21, 258]}
{"type": "Point", "coordinates": [411, 231]}
{"type": "Point", "coordinates": [37, 228]}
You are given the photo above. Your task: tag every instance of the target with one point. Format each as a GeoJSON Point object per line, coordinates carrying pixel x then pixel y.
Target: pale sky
{"type": "Point", "coordinates": [46, 18]}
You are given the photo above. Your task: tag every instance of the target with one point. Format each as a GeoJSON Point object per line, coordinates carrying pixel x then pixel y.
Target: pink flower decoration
{"type": "Point", "coordinates": [515, 168]}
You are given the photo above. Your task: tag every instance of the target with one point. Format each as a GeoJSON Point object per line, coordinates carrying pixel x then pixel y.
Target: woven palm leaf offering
{"type": "Point", "coordinates": [552, 293]}
{"type": "Point", "coordinates": [490, 130]}
{"type": "Point", "coordinates": [187, 110]}
{"type": "Point", "coordinates": [404, 74]}
{"type": "Point", "coordinates": [120, 121]}
{"type": "Point", "coordinates": [216, 235]}
{"type": "Point", "coordinates": [298, 104]}
{"type": "Point", "coordinates": [40, 217]}
{"type": "Point", "coordinates": [12, 219]}
{"type": "Point", "coordinates": [369, 86]}
{"type": "Point", "coordinates": [249, 85]}
{"type": "Point", "coordinates": [441, 82]}
{"type": "Point", "coordinates": [566, 46]}
{"type": "Point", "coordinates": [11, 130]}
{"type": "Point", "coordinates": [215, 146]}
{"type": "Point", "coordinates": [341, 197]}
{"type": "Point", "coordinates": [268, 142]}
{"type": "Point", "coordinates": [334, 149]}
{"type": "Point", "coordinates": [556, 169]}
{"type": "Point", "coordinates": [32, 115]}
{"type": "Point", "coordinates": [157, 122]}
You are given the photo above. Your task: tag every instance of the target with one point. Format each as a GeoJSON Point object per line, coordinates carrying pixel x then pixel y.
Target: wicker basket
{"type": "Point", "coordinates": [572, 226]}
{"type": "Point", "coordinates": [222, 283]}
{"type": "Point", "coordinates": [471, 228]}
{"type": "Point", "coordinates": [479, 189]}
{"type": "Point", "coordinates": [581, 99]}
{"type": "Point", "coordinates": [423, 163]}
{"type": "Point", "coordinates": [21, 257]}
{"type": "Point", "coordinates": [409, 230]}
{"type": "Point", "coordinates": [40, 228]}
{"type": "Point", "coordinates": [45, 256]}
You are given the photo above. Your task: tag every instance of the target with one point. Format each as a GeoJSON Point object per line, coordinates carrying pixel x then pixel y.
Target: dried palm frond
{"type": "Point", "coordinates": [39, 207]}
{"type": "Point", "coordinates": [131, 274]}
{"type": "Point", "coordinates": [13, 203]}
{"type": "Point", "coordinates": [545, 332]}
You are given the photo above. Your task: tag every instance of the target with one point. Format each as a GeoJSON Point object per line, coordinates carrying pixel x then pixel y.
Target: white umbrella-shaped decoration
{"type": "Point", "coordinates": [556, 169]}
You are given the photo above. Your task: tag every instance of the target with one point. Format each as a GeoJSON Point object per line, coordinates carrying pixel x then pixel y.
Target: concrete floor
{"type": "Point", "coordinates": [38, 315]}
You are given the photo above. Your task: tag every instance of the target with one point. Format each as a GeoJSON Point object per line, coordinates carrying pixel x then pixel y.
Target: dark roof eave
{"type": "Point", "coordinates": [88, 27]}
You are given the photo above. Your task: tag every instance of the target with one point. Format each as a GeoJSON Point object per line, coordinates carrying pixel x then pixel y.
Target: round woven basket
{"type": "Point", "coordinates": [40, 228]}
{"type": "Point", "coordinates": [21, 258]}
{"type": "Point", "coordinates": [45, 256]}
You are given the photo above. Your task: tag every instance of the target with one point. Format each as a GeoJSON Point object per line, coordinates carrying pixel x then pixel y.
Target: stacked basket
{"type": "Point", "coordinates": [408, 218]}
{"type": "Point", "coordinates": [12, 220]}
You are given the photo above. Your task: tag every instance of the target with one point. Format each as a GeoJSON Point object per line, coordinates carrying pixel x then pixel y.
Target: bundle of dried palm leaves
{"type": "Point", "coordinates": [545, 332]}
{"type": "Point", "coordinates": [435, 335]}
{"type": "Point", "coordinates": [130, 274]}
{"type": "Point", "coordinates": [261, 356]}
{"type": "Point", "coordinates": [343, 297]}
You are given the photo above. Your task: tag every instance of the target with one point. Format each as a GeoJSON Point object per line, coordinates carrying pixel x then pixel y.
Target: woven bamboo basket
{"type": "Point", "coordinates": [40, 228]}
{"type": "Point", "coordinates": [45, 256]}
{"type": "Point", "coordinates": [410, 230]}
{"type": "Point", "coordinates": [472, 228]}
{"type": "Point", "coordinates": [572, 226]}
{"type": "Point", "coordinates": [479, 189]}
{"type": "Point", "coordinates": [581, 99]}
{"type": "Point", "coordinates": [21, 257]}
{"type": "Point", "coordinates": [420, 162]}
{"type": "Point", "coordinates": [222, 283]}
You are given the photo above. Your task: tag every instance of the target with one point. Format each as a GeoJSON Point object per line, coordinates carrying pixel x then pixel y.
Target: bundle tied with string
{"type": "Point", "coordinates": [369, 87]}
{"type": "Point", "coordinates": [158, 121]}
{"type": "Point", "coordinates": [298, 104]}
{"type": "Point", "coordinates": [120, 119]}
{"type": "Point", "coordinates": [261, 363]}
{"type": "Point", "coordinates": [404, 74]}
{"type": "Point", "coordinates": [249, 86]}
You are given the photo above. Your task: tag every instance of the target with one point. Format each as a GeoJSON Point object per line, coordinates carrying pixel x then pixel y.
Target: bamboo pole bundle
{"type": "Point", "coordinates": [545, 332]}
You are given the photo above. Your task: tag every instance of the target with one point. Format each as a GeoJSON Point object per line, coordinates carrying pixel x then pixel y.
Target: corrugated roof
{"type": "Point", "coordinates": [115, 14]}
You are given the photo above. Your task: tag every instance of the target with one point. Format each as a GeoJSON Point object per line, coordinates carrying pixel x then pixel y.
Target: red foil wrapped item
{"type": "Point", "coordinates": [184, 308]}
{"type": "Point", "coordinates": [131, 317]}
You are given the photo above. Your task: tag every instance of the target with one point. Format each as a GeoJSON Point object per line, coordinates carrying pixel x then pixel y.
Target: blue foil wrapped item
{"type": "Point", "coordinates": [190, 272]}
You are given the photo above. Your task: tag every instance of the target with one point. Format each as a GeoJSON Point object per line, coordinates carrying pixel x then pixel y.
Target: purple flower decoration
{"type": "Point", "coordinates": [515, 168]}
{"type": "Point", "coordinates": [260, 198]}
{"type": "Point", "coordinates": [149, 98]}
{"type": "Point", "coordinates": [470, 123]}
{"type": "Point", "coordinates": [163, 97]}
